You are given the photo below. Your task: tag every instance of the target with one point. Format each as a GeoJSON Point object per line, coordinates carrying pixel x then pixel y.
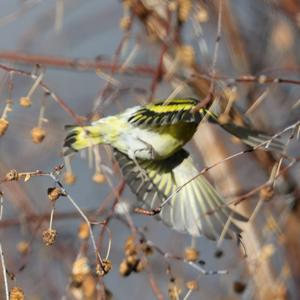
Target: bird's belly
{"type": "Point", "coordinates": [143, 144]}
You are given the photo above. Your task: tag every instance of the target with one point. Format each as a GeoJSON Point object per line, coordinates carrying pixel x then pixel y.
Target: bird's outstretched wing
{"type": "Point", "coordinates": [197, 209]}
{"type": "Point", "coordinates": [175, 111]}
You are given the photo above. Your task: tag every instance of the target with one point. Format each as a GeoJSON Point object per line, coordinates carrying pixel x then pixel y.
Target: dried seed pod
{"type": "Point", "coordinates": [202, 15]}
{"type": "Point", "coordinates": [173, 290]}
{"type": "Point", "coordinates": [54, 193]}
{"type": "Point", "coordinates": [16, 293]}
{"type": "Point", "coordinates": [191, 254]}
{"type": "Point", "coordinates": [130, 246]}
{"type": "Point", "coordinates": [266, 193]}
{"type": "Point", "coordinates": [192, 285]}
{"type": "Point", "coordinates": [84, 231]}
{"type": "Point", "coordinates": [132, 260]}
{"type": "Point", "coordinates": [140, 266]}
{"type": "Point", "coordinates": [49, 236]}
{"type": "Point", "coordinates": [239, 287]}
{"type": "Point", "coordinates": [69, 178]}
{"type": "Point", "coordinates": [223, 119]}
{"type": "Point", "coordinates": [147, 249]}
{"type": "Point", "coordinates": [25, 102]}
{"type": "Point", "coordinates": [186, 54]}
{"type": "Point", "coordinates": [89, 287]}
{"type": "Point", "coordinates": [11, 175]}
{"type": "Point", "coordinates": [219, 253]}
{"type": "Point", "coordinates": [125, 23]}
{"type": "Point", "coordinates": [81, 266]}
{"type": "Point", "coordinates": [184, 9]}
{"type": "Point", "coordinates": [3, 126]}
{"type": "Point", "coordinates": [98, 177]}
{"type": "Point", "coordinates": [23, 247]}
{"type": "Point", "coordinates": [38, 134]}
{"type": "Point", "coordinates": [104, 268]}
{"type": "Point", "coordinates": [124, 268]}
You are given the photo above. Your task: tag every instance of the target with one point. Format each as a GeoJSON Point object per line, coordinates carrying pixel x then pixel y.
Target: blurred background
{"type": "Point", "coordinates": [64, 62]}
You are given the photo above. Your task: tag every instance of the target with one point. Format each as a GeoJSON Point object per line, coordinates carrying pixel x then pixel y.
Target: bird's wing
{"type": "Point", "coordinates": [197, 209]}
{"type": "Point", "coordinates": [180, 111]}
{"type": "Point", "coordinates": [167, 112]}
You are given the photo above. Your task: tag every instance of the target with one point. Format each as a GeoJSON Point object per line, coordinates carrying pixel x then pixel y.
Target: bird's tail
{"type": "Point", "coordinates": [254, 138]}
{"type": "Point", "coordinates": [80, 137]}
{"type": "Point", "coordinates": [249, 136]}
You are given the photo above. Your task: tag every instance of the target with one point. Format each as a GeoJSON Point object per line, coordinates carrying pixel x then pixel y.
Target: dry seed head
{"type": "Point", "coordinates": [38, 134]}
{"type": "Point", "coordinates": [202, 15]}
{"type": "Point", "coordinates": [184, 9]}
{"type": "Point", "coordinates": [89, 287]}
{"type": "Point", "coordinates": [239, 287]}
{"type": "Point", "coordinates": [124, 268]}
{"type": "Point", "coordinates": [104, 268]}
{"type": "Point", "coordinates": [11, 175]}
{"type": "Point", "coordinates": [174, 291]}
{"type": "Point", "coordinates": [130, 246]}
{"type": "Point", "coordinates": [266, 193]}
{"type": "Point", "coordinates": [191, 254]}
{"type": "Point", "coordinates": [262, 79]}
{"type": "Point", "coordinates": [281, 292]}
{"type": "Point", "coordinates": [23, 247]}
{"type": "Point", "coordinates": [223, 118]}
{"type": "Point", "coordinates": [54, 193]}
{"type": "Point", "coordinates": [192, 285]}
{"type": "Point", "coordinates": [271, 224]}
{"type": "Point", "coordinates": [49, 236]}
{"type": "Point", "coordinates": [235, 140]}
{"type": "Point", "coordinates": [84, 231]}
{"type": "Point", "coordinates": [266, 252]}
{"type": "Point", "coordinates": [147, 249]}
{"type": "Point", "coordinates": [125, 23]}
{"type": "Point", "coordinates": [69, 178]}
{"type": "Point", "coordinates": [3, 126]}
{"type": "Point", "coordinates": [186, 54]}
{"type": "Point", "coordinates": [132, 260]}
{"type": "Point", "coordinates": [98, 177]}
{"type": "Point", "coordinates": [172, 5]}
{"type": "Point", "coordinates": [231, 93]}
{"type": "Point", "coordinates": [16, 293]}
{"type": "Point", "coordinates": [25, 101]}
{"type": "Point", "coordinates": [81, 266]}
{"type": "Point", "coordinates": [283, 36]}
{"type": "Point", "coordinates": [140, 266]}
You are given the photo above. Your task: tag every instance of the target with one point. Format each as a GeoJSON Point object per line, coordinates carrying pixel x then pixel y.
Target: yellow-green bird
{"type": "Point", "coordinates": [148, 144]}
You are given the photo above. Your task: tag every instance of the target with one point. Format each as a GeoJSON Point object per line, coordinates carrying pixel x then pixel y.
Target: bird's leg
{"type": "Point", "coordinates": [152, 152]}
{"type": "Point", "coordinates": [132, 155]}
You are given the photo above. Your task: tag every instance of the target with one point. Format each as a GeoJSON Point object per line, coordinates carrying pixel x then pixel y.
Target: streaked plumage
{"type": "Point", "coordinates": [147, 142]}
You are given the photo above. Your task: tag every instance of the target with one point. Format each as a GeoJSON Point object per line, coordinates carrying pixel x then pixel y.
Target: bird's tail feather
{"type": "Point", "coordinates": [254, 138]}
{"type": "Point", "coordinates": [80, 137]}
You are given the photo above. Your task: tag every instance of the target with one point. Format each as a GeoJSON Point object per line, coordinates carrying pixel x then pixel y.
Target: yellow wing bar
{"type": "Point", "coordinates": [169, 112]}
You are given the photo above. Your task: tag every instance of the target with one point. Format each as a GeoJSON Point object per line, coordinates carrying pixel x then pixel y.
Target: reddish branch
{"type": "Point", "coordinates": [80, 64]}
